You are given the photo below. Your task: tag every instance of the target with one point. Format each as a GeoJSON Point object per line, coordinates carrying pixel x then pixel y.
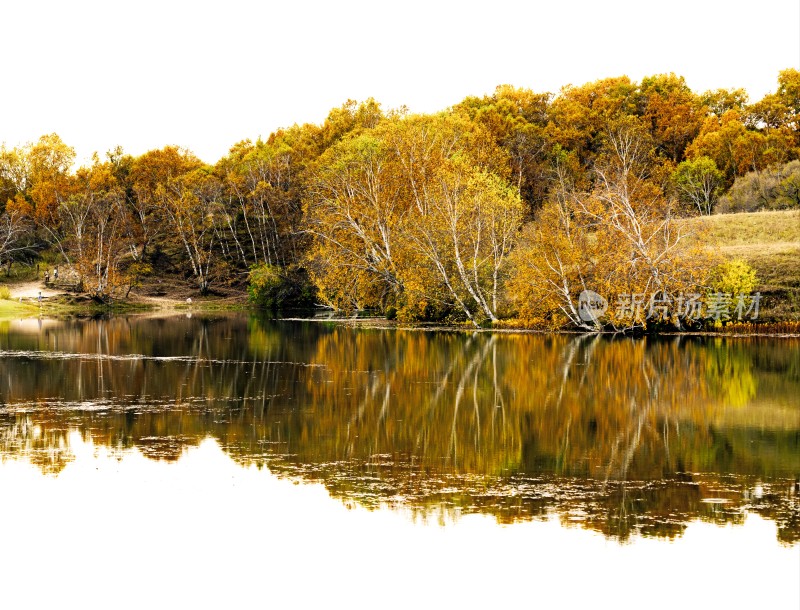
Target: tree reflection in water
{"type": "Point", "coordinates": [619, 435]}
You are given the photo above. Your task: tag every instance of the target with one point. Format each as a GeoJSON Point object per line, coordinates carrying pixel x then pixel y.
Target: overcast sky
{"type": "Point", "coordinates": [206, 75]}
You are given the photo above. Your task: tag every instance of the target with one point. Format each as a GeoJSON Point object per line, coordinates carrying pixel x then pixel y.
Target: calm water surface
{"type": "Point", "coordinates": [214, 461]}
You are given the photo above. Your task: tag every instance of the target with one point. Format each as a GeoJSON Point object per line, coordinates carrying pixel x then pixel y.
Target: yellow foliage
{"type": "Point", "coordinates": [415, 210]}
{"type": "Point", "coordinates": [734, 277]}
{"type": "Point", "coordinates": [618, 240]}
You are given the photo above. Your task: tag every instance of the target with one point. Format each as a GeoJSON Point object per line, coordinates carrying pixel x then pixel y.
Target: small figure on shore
{"type": "Point", "coordinates": [40, 296]}
{"type": "Point", "coordinates": [55, 275]}
{"type": "Point", "coordinates": [46, 277]}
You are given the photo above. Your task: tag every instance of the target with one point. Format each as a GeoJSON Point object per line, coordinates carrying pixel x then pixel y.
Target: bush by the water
{"type": "Point", "coordinates": [273, 287]}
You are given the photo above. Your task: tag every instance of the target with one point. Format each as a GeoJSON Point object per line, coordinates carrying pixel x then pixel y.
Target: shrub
{"type": "Point", "coordinates": [732, 284]}
{"type": "Point", "coordinates": [734, 277]}
{"type": "Point", "coordinates": [273, 287]}
{"type": "Point", "coordinates": [5, 293]}
{"type": "Point", "coordinates": [776, 188]}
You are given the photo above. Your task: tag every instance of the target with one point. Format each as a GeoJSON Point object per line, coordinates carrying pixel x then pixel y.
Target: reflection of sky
{"type": "Point", "coordinates": [205, 532]}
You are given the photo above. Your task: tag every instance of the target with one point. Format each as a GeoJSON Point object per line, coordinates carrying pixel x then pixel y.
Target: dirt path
{"type": "Point", "coordinates": [30, 290]}
{"type": "Point", "coordinates": [161, 302]}
{"type": "Point", "coordinates": [175, 297]}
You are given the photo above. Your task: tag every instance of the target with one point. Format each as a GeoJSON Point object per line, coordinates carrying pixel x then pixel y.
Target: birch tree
{"type": "Point", "coordinates": [620, 240]}
{"type": "Point", "coordinates": [698, 183]}
{"type": "Point", "coordinates": [16, 232]}
{"type": "Point", "coordinates": [355, 213]}
{"type": "Point", "coordinates": [417, 213]}
{"type": "Point", "coordinates": [191, 204]}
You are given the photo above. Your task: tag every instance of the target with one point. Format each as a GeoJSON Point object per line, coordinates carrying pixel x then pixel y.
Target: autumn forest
{"type": "Point", "coordinates": [502, 207]}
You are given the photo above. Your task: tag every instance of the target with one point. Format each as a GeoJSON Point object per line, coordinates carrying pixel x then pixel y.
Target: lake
{"type": "Point", "coordinates": [223, 460]}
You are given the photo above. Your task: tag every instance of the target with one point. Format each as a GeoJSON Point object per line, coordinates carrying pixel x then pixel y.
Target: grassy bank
{"type": "Point", "coordinates": [770, 243]}
{"type": "Point", "coordinates": [14, 309]}
{"type": "Point", "coordinates": [78, 305]}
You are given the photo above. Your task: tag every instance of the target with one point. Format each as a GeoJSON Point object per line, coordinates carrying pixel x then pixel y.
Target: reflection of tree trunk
{"type": "Point", "coordinates": [499, 401]}
{"type": "Point", "coordinates": [443, 384]}
{"type": "Point", "coordinates": [562, 459]}
{"type": "Point", "coordinates": [572, 350]}
{"type": "Point", "coordinates": [587, 356]}
{"type": "Point", "coordinates": [102, 334]}
{"type": "Point", "coordinates": [477, 410]}
{"type": "Point", "coordinates": [611, 460]}
{"type": "Point", "coordinates": [195, 370]}
{"type": "Point", "coordinates": [631, 448]}
{"type": "Point", "coordinates": [477, 359]}
{"type": "Point", "coordinates": [369, 393]}
{"type": "Point", "coordinates": [453, 443]}
{"type": "Point", "coordinates": [385, 406]}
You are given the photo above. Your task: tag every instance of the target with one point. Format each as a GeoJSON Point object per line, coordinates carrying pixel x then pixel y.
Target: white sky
{"type": "Point", "coordinates": [205, 75]}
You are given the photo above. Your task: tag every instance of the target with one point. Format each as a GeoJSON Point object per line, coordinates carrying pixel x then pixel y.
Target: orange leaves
{"type": "Point", "coordinates": [94, 234]}
{"type": "Point", "coordinates": [737, 150]}
{"type": "Point", "coordinates": [19, 206]}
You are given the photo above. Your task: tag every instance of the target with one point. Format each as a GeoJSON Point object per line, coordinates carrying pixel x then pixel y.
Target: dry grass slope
{"type": "Point", "coordinates": [770, 242]}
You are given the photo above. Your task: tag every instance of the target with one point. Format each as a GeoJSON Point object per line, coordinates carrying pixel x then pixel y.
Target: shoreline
{"type": "Point", "coordinates": [60, 304]}
{"type": "Point", "coordinates": [28, 309]}
{"type": "Point", "coordinates": [383, 324]}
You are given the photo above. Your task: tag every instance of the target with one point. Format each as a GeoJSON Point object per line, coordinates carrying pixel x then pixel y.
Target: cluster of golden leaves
{"type": "Point", "coordinates": [423, 214]}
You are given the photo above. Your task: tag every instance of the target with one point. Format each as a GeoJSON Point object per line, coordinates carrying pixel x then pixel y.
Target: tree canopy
{"type": "Point", "coordinates": [509, 204]}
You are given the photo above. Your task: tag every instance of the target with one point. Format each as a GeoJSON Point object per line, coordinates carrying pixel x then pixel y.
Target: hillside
{"type": "Point", "coordinates": [770, 242]}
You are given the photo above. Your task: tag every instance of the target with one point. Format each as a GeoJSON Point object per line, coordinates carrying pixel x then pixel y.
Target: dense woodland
{"type": "Point", "coordinates": [503, 206]}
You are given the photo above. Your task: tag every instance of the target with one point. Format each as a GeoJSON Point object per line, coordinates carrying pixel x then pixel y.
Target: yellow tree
{"type": "Point", "coordinates": [464, 232]}
{"type": "Point", "coordinates": [516, 119]}
{"type": "Point", "coordinates": [463, 215]}
{"type": "Point", "coordinates": [15, 172]}
{"type": "Point", "coordinates": [16, 231]}
{"type": "Point", "coordinates": [719, 101]}
{"type": "Point", "coordinates": [781, 110]}
{"type": "Point", "coordinates": [674, 114]}
{"type": "Point", "coordinates": [554, 261]}
{"type": "Point", "coordinates": [49, 161]}
{"type": "Point", "coordinates": [580, 115]}
{"type": "Point", "coordinates": [262, 186]}
{"type": "Point", "coordinates": [94, 225]}
{"type": "Point", "coordinates": [192, 205]}
{"type": "Point", "coordinates": [736, 149]}
{"type": "Point", "coordinates": [619, 240]}
{"type": "Point", "coordinates": [37, 177]}
{"type": "Point", "coordinates": [151, 176]}
{"type": "Point", "coordinates": [415, 213]}
{"type": "Point", "coordinates": [354, 210]}
{"type": "Point", "coordinates": [248, 214]}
